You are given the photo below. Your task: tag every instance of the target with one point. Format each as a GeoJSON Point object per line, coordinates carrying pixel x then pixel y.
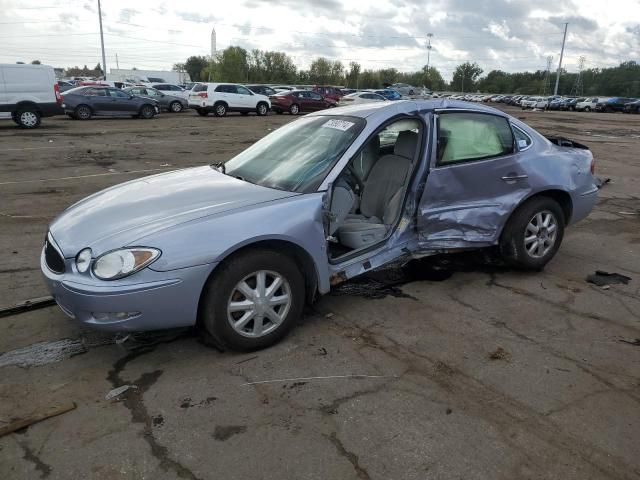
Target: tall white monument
{"type": "Point", "coordinates": [213, 42]}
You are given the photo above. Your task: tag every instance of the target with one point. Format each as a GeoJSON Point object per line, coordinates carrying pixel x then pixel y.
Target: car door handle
{"type": "Point", "coordinates": [512, 177]}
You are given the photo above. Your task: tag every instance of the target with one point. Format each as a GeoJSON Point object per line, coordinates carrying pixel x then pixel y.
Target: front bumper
{"type": "Point", "coordinates": [147, 300]}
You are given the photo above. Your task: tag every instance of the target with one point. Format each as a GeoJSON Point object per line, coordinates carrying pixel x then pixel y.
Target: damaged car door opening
{"type": "Point", "coordinates": [239, 249]}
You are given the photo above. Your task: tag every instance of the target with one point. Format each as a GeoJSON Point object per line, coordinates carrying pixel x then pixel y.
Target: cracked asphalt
{"type": "Point", "coordinates": [487, 374]}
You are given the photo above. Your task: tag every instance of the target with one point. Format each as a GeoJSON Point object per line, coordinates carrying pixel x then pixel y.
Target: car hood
{"type": "Point", "coordinates": [120, 215]}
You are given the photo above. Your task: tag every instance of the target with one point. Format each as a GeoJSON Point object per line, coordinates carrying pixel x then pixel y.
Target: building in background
{"type": "Point", "coordinates": [148, 76]}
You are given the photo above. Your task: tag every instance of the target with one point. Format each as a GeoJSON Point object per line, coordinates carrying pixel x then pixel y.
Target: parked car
{"type": "Point", "coordinates": [283, 88]}
{"type": "Point", "coordinates": [82, 103]}
{"type": "Point", "coordinates": [570, 103]}
{"type": "Point", "coordinates": [389, 94]}
{"type": "Point", "coordinates": [556, 104]}
{"type": "Point", "coordinates": [262, 90]}
{"type": "Point", "coordinates": [632, 107]}
{"type": "Point", "coordinates": [614, 104]}
{"type": "Point", "coordinates": [63, 86]}
{"type": "Point", "coordinates": [173, 90]}
{"type": "Point", "coordinates": [221, 98]}
{"type": "Point", "coordinates": [360, 97]}
{"type": "Point", "coordinates": [404, 89]}
{"type": "Point", "coordinates": [299, 101]}
{"type": "Point", "coordinates": [238, 247]}
{"type": "Point", "coordinates": [586, 105]}
{"type": "Point", "coordinates": [327, 91]}
{"type": "Point", "coordinates": [531, 102]}
{"type": "Point", "coordinates": [347, 91]}
{"type": "Point", "coordinates": [28, 93]}
{"type": "Point", "coordinates": [170, 103]}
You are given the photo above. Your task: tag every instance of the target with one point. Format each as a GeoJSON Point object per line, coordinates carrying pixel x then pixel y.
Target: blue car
{"type": "Point", "coordinates": [389, 94]}
{"type": "Point", "coordinates": [237, 248]}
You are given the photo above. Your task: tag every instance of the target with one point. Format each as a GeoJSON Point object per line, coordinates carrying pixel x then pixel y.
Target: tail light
{"type": "Point", "coordinates": [203, 94]}
{"type": "Point", "coordinates": [593, 166]}
{"type": "Point", "coordinates": [56, 90]}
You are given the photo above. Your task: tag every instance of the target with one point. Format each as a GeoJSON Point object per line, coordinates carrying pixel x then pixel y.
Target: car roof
{"type": "Point", "coordinates": [364, 110]}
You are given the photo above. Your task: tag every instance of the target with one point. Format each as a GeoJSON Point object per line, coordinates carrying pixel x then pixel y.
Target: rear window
{"type": "Point", "coordinates": [201, 87]}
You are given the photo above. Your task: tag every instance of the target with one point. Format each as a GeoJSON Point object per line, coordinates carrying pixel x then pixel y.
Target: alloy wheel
{"type": "Point", "coordinates": [259, 303]}
{"type": "Point", "coordinates": [540, 234]}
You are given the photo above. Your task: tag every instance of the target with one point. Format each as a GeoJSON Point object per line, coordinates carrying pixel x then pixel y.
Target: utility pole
{"type": "Point", "coordinates": [564, 38]}
{"type": "Point", "coordinates": [117, 63]}
{"type": "Point", "coordinates": [104, 59]}
{"type": "Point", "coordinates": [578, 88]}
{"type": "Point", "coordinates": [429, 35]}
{"type": "Point", "coordinates": [547, 75]}
{"type": "Point", "coordinates": [463, 82]}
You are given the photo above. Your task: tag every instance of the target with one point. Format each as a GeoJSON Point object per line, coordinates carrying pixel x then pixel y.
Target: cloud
{"type": "Point", "coordinates": [196, 17]}
{"type": "Point", "coordinates": [127, 14]}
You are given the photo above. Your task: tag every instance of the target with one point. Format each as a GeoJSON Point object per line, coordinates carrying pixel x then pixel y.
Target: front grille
{"type": "Point", "coordinates": [55, 261]}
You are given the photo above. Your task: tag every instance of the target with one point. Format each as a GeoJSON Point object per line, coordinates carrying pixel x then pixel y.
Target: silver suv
{"type": "Point", "coordinates": [221, 98]}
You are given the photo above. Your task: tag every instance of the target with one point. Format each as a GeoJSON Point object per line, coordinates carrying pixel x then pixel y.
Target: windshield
{"type": "Point", "coordinates": [297, 156]}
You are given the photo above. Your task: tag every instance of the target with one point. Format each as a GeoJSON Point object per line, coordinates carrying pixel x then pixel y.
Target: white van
{"type": "Point", "coordinates": [28, 93]}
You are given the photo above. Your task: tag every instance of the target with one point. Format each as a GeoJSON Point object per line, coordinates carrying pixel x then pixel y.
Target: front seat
{"type": "Point", "coordinates": [367, 158]}
{"type": "Point", "coordinates": [381, 196]}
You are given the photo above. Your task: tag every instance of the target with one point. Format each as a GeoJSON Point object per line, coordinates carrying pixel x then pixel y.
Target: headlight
{"type": "Point", "coordinates": [120, 263]}
{"type": "Point", "coordinates": [83, 260]}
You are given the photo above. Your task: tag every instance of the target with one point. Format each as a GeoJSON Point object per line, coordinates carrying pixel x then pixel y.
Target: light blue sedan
{"type": "Point", "coordinates": [238, 248]}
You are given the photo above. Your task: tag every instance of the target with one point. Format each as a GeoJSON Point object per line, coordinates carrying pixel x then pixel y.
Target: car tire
{"type": "Point", "coordinates": [27, 117]}
{"type": "Point", "coordinates": [294, 109]}
{"type": "Point", "coordinates": [220, 109]}
{"type": "Point", "coordinates": [202, 112]}
{"type": "Point", "coordinates": [410, 92]}
{"type": "Point", "coordinates": [175, 107]}
{"type": "Point", "coordinates": [226, 286]}
{"type": "Point", "coordinates": [83, 112]}
{"type": "Point", "coordinates": [262, 109]}
{"type": "Point", "coordinates": [521, 245]}
{"type": "Point", "coordinates": [147, 112]}
{"type": "Point", "coordinates": [587, 109]}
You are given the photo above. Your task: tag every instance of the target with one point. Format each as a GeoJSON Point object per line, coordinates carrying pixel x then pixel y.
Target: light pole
{"type": "Point", "coordinates": [429, 35]}
{"type": "Point", "coordinates": [104, 60]}
{"type": "Point", "coordinates": [564, 38]}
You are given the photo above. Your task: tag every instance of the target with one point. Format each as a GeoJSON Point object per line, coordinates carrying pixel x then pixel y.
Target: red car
{"type": "Point", "coordinates": [297, 101]}
{"type": "Point", "coordinates": [334, 93]}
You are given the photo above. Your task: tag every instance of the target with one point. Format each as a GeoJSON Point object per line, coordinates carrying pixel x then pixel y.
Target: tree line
{"type": "Point", "coordinates": [235, 64]}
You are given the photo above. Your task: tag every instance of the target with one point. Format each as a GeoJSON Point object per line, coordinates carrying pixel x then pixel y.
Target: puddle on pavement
{"type": "Point", "coordinates": [387, 280]}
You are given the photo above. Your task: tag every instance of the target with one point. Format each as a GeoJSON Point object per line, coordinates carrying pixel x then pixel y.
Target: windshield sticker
{"type": "Point", "coordinates": [338, 125]}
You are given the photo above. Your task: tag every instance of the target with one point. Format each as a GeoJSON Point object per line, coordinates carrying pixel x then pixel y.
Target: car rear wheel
{"type": "Point", "coordinates": [587, 109]}
{"type": "Point", "coordinates": [83, 112]}
{"type": "Point", "coordinates": [294, 109]}
{"type": "Point", "coordinates": [253, 300]}
{"type": "Point", "coordinates": [262, 109]}
{"type": "Point", "coordinates": [147, 112]}
{"type": "Point", "coordinates": [175, 107]}
{"type": "Point", "coordinates": [27, 117]}
{"type": "Point", "coordinates": [533, 234]}
{"type": "Point", "coordinates": [220, 110]}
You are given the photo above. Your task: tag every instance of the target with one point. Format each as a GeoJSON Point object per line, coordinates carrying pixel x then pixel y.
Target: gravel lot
{"type": "Point", "coordinates": [489, 374]}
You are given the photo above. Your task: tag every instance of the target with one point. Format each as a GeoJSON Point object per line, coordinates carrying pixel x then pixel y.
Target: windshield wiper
{"type": "Point", "coordinates": [220, 167]}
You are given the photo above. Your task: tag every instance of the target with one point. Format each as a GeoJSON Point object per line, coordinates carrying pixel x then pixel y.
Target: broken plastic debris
{"type": "Point", "coordinates": [118, 391]}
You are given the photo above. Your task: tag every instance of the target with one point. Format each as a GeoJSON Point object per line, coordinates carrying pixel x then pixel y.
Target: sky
{"type": "Point", "coordinates": [510, 35]}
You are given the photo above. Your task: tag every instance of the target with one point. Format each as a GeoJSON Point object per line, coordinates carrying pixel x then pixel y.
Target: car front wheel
{"type": "Point", "coordinates": [262, 109]}
{"type": "Point", "coordinates": [294, 109]}
{"type": "Point", "coordinates": [175, 107]}
{"type": "Point", "coordinates": [147, 112]}
{"type": "Point", "coordinates": [533, 234]}
{"type": "Point", "coordinates": [253, 300]}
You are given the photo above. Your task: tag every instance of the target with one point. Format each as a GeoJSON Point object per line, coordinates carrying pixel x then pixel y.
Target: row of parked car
{"type": "Point", "coordinates": [557, 102]}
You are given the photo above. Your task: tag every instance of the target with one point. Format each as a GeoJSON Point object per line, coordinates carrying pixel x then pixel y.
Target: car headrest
{"type": "Point", "coordinates": [406, 144]}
